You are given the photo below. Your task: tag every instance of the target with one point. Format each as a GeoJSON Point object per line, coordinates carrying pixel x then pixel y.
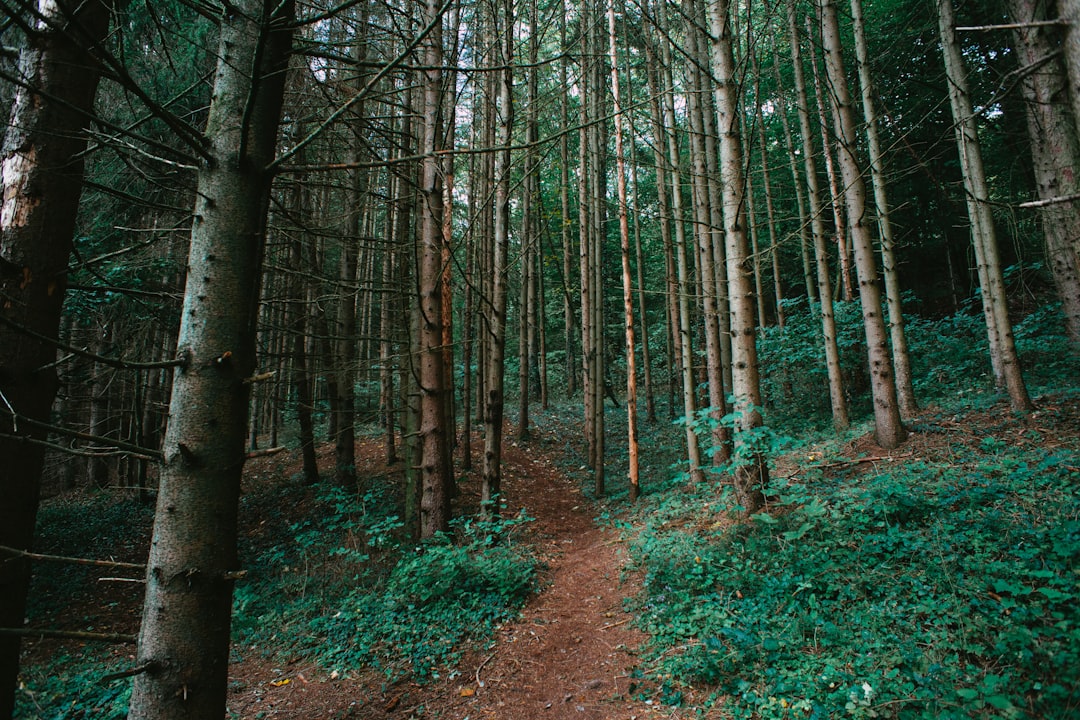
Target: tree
{"type": "Point", "coordinates": [1005, 363]}
{"type": "Point", "coordinates": [752, 473]}
{"type": "Point", "coordinates": [1055, 149]}
{"type": "Point", "coordinates": [184, 638]}
{"type": "Point", "coordinates": [41, 174]}
{"type": "Point", "coordinates": [888, 428]}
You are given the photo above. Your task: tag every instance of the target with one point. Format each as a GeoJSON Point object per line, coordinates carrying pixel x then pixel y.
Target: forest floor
{"type": "Point", "coordinates": [570, 654]}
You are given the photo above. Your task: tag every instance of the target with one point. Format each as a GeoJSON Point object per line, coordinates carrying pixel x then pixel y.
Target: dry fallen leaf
{"type": "Point", "coordinates": [467, 692]}
{"type": "Point", "coordinates": [279, 683]}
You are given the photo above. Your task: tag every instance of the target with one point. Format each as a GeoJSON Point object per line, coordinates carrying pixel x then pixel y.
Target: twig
{"type": "Point", "coordinates": [148, 666]}
{"type": "Point", "coordinates": [479, 682]}
{"type": "Point", "coordinates": [859, 461]}
{"type": "Point", "coordinates": [611, 625]}
{"type": "Point", "coordinates": [1049, 201]}
{"type": "Point", "coordinates": [70, 635]}
{"type": "Point", "coordinates": [73, 560]}
{"type": "Point", "coordinates": [267, 451]}
{"type": "Point", "coordinates": [14, 415]}
{"type": "Point", "coordinates": [1012, 26]}
{"type": "Point", "coordinates": [94, 453]}
{"type": "Point", "coordinates": [121, 580]}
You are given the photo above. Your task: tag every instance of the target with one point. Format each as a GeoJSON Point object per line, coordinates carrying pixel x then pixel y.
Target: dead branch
{"type": "Point", "coordinates": [72, 560]}
{"type": "Point", "coordinates": [70, 635]}
{"type": "Point", "coordinates": [860, 461]}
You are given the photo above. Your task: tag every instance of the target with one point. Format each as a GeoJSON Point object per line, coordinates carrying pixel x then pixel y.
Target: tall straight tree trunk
{"type": "Point", "coordinates": [751, 472]}
{"type": "Point", "coordinates": [1069, 12]}
{"type": "Point", "coordinates": [569, 324]}
{"type": "Point", "coordinates": [843, 254]}
{"type": "Point", "coordinates": [888, 428]}
{"type": "Point", "coordinates": [185, 633]}
{"type": "Point", "coordinates": [682, 289]}
{"type": "Point", "coordinates": [435, 471]}
{"type": "Point", "coordinates": [491, 486]}
{"type": "Point", "coordinates": [905, 390]}
{"type": "Point", "coordinates": [1055, 150]}
{"type": "Point", "coordinates": [41, 174]}
{"type": "Point", "coordinates": [646, 352]}
{"type": "Point", "coordinates": [800, 200]}
{"type": "Point", "coordinates": [817, 225]}
{"type": "Point", "coordinates": [984, 238]}
{"type": "Point", "coordinates": [627, 278]}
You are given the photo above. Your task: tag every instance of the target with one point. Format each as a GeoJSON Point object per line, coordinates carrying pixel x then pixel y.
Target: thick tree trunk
{"type": "Point", "coordinates": [888, 428]}
{"type": "Point", "coordinates": [41, 174]}
{"type": "Point", "coordinates": [751, 472]}
{"type": "Point", "coordinates": [1054, 148]}
{"type": "Point", "coordinates": [185, 633]}
{"type": "Point", "coordinates": [435, 470]}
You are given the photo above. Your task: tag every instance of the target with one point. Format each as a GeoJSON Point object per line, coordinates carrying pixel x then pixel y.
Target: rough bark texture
{"type": "Point", "coordinates": [817, 226]}
{"type": "Point", "coordinates": [984, 239]}
{"type": "Point", "coordinates": [888, 428]}
{"type": "Point", "coordinates": [41, 172]}
{"type": "Point", "coordinates": [1054, 149]}
{"type": "Point", "coordinates": [751, 473]}
{"type": "Point", "coordinates": [435, 471]}
{"type": "Point", "coordinates": [187, 609]}
{"type": "Point", "coordinates": [905, 390]}
{"type": "Point", "coordinates": [627, 278]}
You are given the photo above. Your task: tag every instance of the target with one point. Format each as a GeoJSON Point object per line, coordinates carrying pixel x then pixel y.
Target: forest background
{"type": "Point", "coordinates": [228, 229]}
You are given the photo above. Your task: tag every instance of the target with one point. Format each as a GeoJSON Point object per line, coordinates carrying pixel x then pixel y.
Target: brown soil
{"type": "Point", "coordinates": [569, 655]}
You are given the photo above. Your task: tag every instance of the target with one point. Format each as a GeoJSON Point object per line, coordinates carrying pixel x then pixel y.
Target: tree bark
{"type": "Point", "coordinates": [888, 428]}
{"type": "Point", "coordinates": [905, 391]}
{"type": "Point", "coordinates": [1055, 150]}
{"type": "Point", "coordinates": [751, 472]}
{"type": "Point", "coordinates": [984, 238]}
{"type": "Point", "coordinates": [41, 174]}
{"type": "Point", "coordinates": [185, 629]}
{"type": "Point", "coordinates": [817, 226]}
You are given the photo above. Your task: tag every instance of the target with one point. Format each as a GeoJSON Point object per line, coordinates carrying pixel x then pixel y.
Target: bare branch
{"type": "Point", "coordinates": [71, 560]}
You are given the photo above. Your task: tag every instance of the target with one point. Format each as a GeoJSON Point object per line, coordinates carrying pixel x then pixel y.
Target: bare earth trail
{"type": "Point", "coordinates": [570, 655]}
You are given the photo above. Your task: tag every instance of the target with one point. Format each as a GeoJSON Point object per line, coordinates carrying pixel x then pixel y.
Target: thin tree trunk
{"type": "Point", "coordinates": [627, 280]}
{"type": "Point", "coordinates": [751, 472]}
{"type": "Point", "coordinates": [817, 224]}
{"type": "Point", "coordinates": [888, 428]}
{"type": "Point", "coordinates": [491, 487]}
{"type": "Point", "coordinates": [905, 390]}
{"type": "Point", "coordinates": [984, 238]}
{"type": "Point", "coordinates": [435, 471]}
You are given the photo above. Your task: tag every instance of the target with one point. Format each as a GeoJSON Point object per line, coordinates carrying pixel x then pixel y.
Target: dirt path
{"type": "Point", "coordinates": [570, 655]}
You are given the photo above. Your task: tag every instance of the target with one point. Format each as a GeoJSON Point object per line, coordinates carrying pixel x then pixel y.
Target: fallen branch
{"type": "Point", "coordinates": [611, 625]}
{"type": "Point", "coordinates": [264, 453]}
{"type": "Point", "coordinates": [70, 635]}
{"type": "Point", "coordinates": [859, 461]}
{"type": "Point", "coordinates": [72, 560]}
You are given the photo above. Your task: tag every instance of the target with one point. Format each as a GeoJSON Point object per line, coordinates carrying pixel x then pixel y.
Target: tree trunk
{"type": "Point", "coordinates": [905, 391]}
{"type": "Point", "coordinates": [751, 472]}
{"type": "Point", "coordinates": [1054, 148]}
{"type": "Point", "coordinates": [192, 565]}
{"type": "Point", "coordinates": [41, 173]}
{"type": "Point", "coordinates": [984, 238]}
{"type": "Point", "coordinates": [491, 486]}
{"type": "Point", "coordinates": [435, 471]}
{"type": "Point", "coordinates": [627, 278]}
{"type": "Point", "coordinates": [824, 280]}
{"type": "Point", "coordinates": [888, 428]}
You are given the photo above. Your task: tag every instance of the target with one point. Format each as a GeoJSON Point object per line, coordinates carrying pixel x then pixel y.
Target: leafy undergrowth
{"type": "Point", "coordinates": [941, 585]}
{"type": "Point", "coordinates": [349, 595]}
